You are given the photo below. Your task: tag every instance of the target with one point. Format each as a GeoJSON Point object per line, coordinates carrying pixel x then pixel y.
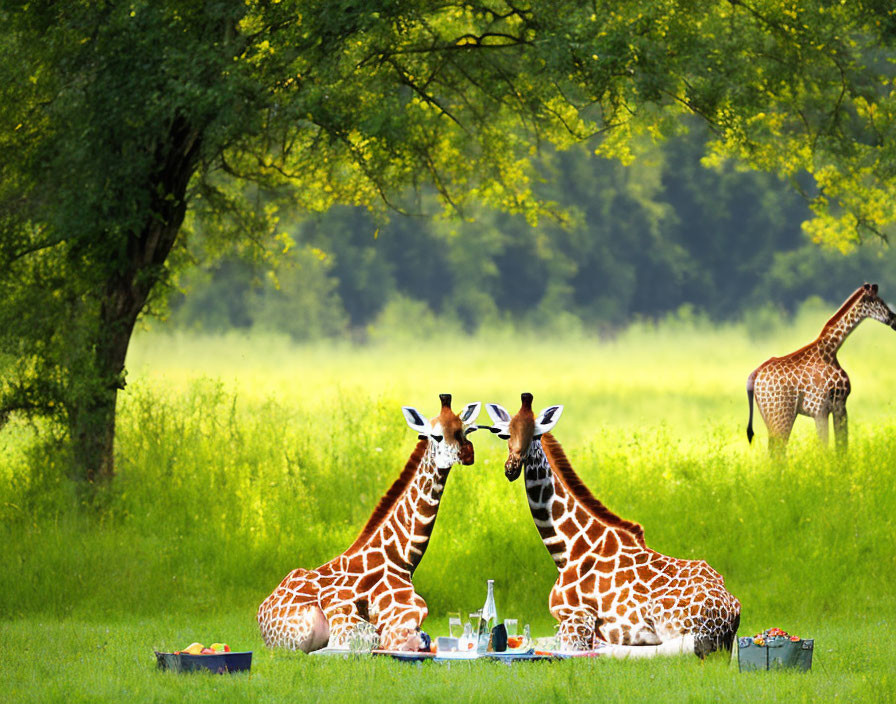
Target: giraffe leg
{"type": "Point", "coordinates": [821, 426]}
{"type": "Point", "coordinates": [304, 628]}
{"type": "Point", "coordinates": [404, 635]}
{"type": "Point", "coordinates": [777, 405]}
{"type": "Point", "coordinates": [291, 616]}
{"type": "Point", "coordinates": [710, 617]}
{"type": "Point", "coordinates": [841, 432]}
{"type": "Point", "coordinates": [343, 619]}
{"type": "Point", "coordinates": [577, 629]}
{"type": "Point", "coordinates": [717, 627]}
{"type": "Point", "coordinates": [578, 622]}
{"type": "Point", "coordinates": [643, 633]}
{"type": "Point", "coordinates": [400, 623]}
{"type": "Point", "coordinates": [779, 419]}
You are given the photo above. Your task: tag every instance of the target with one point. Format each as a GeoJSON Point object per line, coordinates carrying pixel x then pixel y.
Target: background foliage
{"type": "Point", "coordinates": [640, 241]}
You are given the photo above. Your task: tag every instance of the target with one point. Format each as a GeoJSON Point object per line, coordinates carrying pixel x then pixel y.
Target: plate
{"type": "Point", "coordinates": [452, 655]}
{"type": "Point", "coordinates": [334, 651]}
{"type": "Point", "coordinates": [524, 656]}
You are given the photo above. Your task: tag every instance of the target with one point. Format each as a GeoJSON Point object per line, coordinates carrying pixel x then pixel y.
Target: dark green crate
{"type": "Point", "coordinates": [778, 652]}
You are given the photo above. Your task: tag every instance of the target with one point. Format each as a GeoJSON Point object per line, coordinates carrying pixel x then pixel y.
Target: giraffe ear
{"type": "Point", "coordinates": [501, 418]}
{"type": "Point", "coordinates": [417, 421]}
{"type": "Point", "coordinates": [497, 413]}
{"type": "Point", "coordinates": [470, 413]}
{"type": "Point", "coordinates": [547, 419]}
{"type": "Point", "coordinates": [874, 289]}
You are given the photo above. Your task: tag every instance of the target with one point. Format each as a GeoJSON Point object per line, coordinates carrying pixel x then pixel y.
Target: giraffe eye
{"type": "Point", "coordinates": [438, 438]}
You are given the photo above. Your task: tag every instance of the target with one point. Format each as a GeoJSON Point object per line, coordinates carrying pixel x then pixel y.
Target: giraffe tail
{"type": "Point", "coordinates": [750, 380]}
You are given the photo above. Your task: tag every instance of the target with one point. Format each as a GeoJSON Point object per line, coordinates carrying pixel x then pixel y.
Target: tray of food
{"type": "Point", "coordinates": [217, 658]}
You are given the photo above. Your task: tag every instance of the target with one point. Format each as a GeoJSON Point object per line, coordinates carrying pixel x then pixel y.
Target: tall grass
{"type": "Point", "coordinates": [241, 459]}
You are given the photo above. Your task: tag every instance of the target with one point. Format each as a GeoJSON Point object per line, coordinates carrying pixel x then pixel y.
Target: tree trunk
{"type": "Point", "coordinates": [92, 434]}
{"type": "Point", "coordinates": [92, 411]}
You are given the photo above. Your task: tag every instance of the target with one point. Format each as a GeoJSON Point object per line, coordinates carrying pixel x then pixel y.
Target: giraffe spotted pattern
{"type": "Point", "coordinates": [811, 381]}
{"type": "Point", "coordinates": [611, 587]}
{"type": "Point", "coordinates": [371, 581]}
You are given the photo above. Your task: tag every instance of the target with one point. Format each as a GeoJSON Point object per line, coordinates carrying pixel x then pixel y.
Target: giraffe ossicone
{"type": "Point", "coordinates": [611, 587]}
{"type": "Point", "coordinates": [371, 582]}
{"type": "Point", "coordinates": [810, 381]}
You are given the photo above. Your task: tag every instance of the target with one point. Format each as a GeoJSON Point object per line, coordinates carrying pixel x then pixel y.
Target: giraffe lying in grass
{"type": "Point", "coordinates": [371, 581]}
{"type": "Point", "coordinates": [811, 381]}
{"type": "Point", "coordinates": [611, 587]}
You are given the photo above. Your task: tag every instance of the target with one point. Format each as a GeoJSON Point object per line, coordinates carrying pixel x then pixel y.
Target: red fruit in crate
{"type": "Point", "coordinates": [794, 638]}
{"type": "Point", "coordinates": [206, 651]}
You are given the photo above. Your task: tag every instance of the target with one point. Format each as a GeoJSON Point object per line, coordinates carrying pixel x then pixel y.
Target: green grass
{"type": "Point", "coordinates": [78, 661]}
{"type": "Point", "coordinates": [241, 459]}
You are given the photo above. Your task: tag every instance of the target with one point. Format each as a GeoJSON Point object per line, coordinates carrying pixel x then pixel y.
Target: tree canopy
{"type": "Point", "coordinates": [124, 126]}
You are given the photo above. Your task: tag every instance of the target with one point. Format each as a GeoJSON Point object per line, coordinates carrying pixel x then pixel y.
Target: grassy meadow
{"type": "Point", "coordinates": [242, 458]}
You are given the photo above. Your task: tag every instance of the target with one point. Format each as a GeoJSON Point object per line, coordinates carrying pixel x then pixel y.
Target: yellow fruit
{"type": "Point", "coordinates": [220, 647]}
{"type": "Point", "coordinates": [193, 648]}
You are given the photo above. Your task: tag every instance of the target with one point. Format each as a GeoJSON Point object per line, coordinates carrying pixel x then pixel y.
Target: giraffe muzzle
{"type": "Point", "coordinates": [512, 468]}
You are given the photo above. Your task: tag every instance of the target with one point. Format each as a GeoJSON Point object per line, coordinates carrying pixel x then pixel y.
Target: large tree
{"type": "Point", "coordinates": [122, 124]}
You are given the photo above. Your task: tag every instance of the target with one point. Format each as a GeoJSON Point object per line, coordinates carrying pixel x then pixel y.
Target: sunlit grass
{"type": "Point", "coordinates": [686, 377]}
{"type": "Point", "coordinates": [76, 661]}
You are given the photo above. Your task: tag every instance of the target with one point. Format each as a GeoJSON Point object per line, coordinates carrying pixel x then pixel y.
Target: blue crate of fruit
{"type": "Point", "coordinates": [774, 649]}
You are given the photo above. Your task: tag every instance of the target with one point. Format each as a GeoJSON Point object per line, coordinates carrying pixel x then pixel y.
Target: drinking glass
{"type": "Point", "coordinates": [476, 623]}
{"type": "Point", "coordinates": [511, 625]}
{"type": "Point", "coordinates": [468, 633]}
{"type": "Point", "coordinates": [455, 624]}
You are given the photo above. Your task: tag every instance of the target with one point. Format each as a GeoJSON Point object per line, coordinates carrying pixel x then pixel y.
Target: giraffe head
{"type": "Point", "coordinates": [447, 430]}
{"type": "Point", "coordinates": [873, 306]}
{"type": "Point", "coordinates": [521, 430]}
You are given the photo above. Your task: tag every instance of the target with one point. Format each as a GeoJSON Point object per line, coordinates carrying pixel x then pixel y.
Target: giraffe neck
{"type": "Point", "coordinates": [840, 325]}
{"type": "Point", "coordinates": [570, 525]}
{"type": "Point", "coordinates": [547, 499]}
{"type": "Point", "coordinates": [408, 513]}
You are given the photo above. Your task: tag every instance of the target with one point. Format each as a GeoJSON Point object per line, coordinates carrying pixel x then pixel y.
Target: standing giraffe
{"type": "Point", "coordinates": [811, 381]}
{"type": "Point", "coordinates": [611, 586]}
{"type": "Point", "coordinates": [371, 580]}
